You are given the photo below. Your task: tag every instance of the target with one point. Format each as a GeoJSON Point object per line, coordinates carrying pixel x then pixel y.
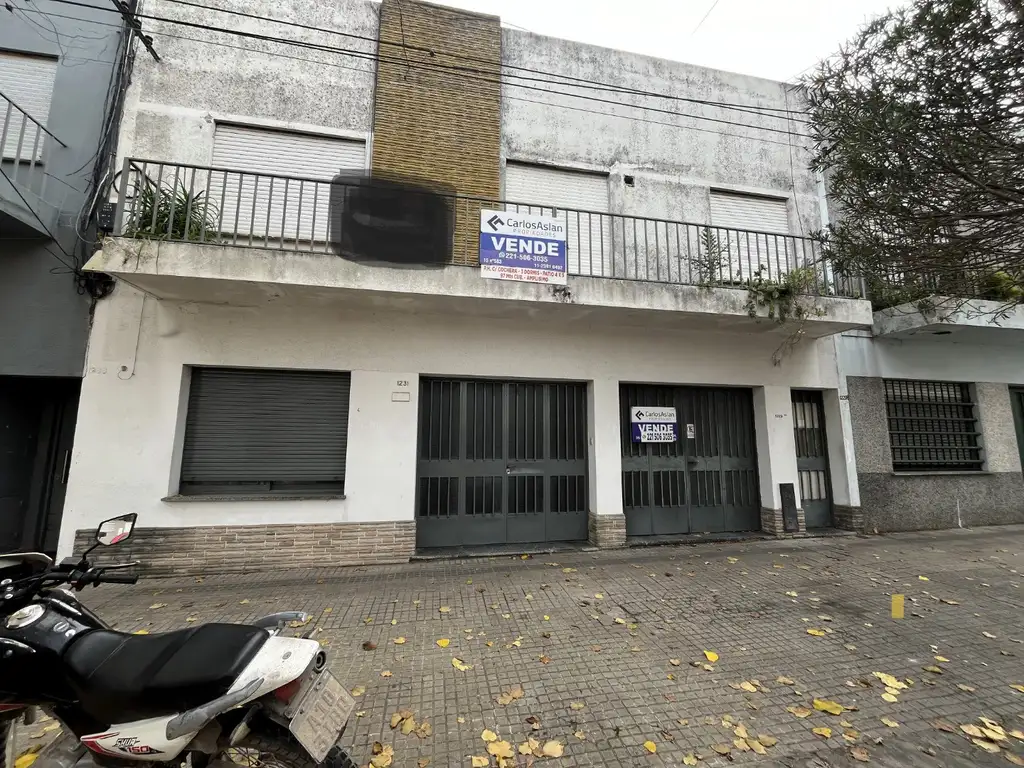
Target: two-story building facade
{"type": "Point", "coordinates": [259, 400]}
{"type": "Point", "coordinates": [61, 75]}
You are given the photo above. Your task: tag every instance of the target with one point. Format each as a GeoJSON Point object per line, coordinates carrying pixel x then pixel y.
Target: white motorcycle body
{"type": "Point", "coordinates": [280, 661]}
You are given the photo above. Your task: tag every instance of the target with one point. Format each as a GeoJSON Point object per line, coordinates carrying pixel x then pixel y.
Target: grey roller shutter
{"type": "Point", "coordinates": [291, 199]}
{"type": "Point", "coordinates": [753, 230]}
{"type": "Point", "coordinates": [549, 191]}
{"type": "Point", "coordinates": [265, 431]}
{"type": "Point", "coordinates": [27, 81]}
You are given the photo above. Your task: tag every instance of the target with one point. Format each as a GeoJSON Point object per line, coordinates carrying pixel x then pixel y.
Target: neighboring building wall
{"type": "Point", "coordinates": [44, 318]}
{"type": "Point", "coordinates": [442, 126]}
{"type": "Point", "coordinates": [675, 161]}
{"type": "Point", "coordinates": [129, 438]}
{"type": "Point", "coordinates": [893, 501]}
{"type": "Point", "coordinates": [173, 106]}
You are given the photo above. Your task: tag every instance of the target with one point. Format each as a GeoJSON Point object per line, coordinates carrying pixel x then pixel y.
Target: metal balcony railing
{"type": "Point", "coordinates": [190, 203]}
{"type": "Point", "coordinates": [22, 140]}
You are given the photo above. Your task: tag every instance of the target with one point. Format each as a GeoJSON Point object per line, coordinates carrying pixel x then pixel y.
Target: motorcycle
{"type": "Point", "coordinates": [211, 696]}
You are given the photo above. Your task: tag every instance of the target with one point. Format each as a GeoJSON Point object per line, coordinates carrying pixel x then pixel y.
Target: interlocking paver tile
{"type": "Point", "coordinates": [674, 602]}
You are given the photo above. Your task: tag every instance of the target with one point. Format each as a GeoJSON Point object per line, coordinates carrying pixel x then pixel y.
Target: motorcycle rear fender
{"type": "Point", "coordinates": [278, 662]}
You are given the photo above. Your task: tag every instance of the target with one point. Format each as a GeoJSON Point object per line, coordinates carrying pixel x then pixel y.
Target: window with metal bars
{"type": "Point", "coordinates": [258, 431]}
{"type": "Point", "coordinates": [932, 426]}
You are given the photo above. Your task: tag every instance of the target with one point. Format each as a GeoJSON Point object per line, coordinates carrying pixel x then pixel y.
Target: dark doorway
{"type": "Point", "coordinates": [812, 458]}
{"type": "Point", "coordinates": [37, 425]}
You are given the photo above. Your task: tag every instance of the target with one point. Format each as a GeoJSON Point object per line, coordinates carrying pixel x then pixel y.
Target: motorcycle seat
{"type": "Point", "coordinates": [121, 678]}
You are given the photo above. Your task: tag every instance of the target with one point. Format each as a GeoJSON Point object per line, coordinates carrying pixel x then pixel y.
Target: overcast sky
{"type": "Point", "coordinates": [778, 39]}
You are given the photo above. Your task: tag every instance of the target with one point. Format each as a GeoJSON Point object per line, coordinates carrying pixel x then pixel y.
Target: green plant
{"type": "Point", "coordinates": [172, 213]}
{"type": "Point", "coordinates": [1002, 286]}
{"type": "Point", "coordinates": [711, 257]}
{"type": "Point", "coordinates": [786, 298]}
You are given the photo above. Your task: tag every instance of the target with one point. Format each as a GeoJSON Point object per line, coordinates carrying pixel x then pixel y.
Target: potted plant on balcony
{"type": "Point", "coordinates": [171, 213]}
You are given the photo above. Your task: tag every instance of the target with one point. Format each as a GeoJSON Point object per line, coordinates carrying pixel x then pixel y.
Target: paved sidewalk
{"type": "Point", "coordinates": [591, 637]}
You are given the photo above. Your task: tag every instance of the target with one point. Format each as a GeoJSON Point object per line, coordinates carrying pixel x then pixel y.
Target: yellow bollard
{"type": "Point", "coordinates": [897, 606]}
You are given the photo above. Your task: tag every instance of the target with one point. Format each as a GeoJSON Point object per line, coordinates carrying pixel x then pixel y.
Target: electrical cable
{"type": "Point", "coordinates": [633, 118]}
{"type": "Point", "coordinates": [423, 66]}
{"type": "Point", "coordinates": [42, 223]}
{"type": "Point", "coordinates": [596, 84]}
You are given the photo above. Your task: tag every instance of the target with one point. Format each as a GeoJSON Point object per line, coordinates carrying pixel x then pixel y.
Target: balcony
{"type": "Point", "coordinates": [26, 207]}
{"type": "Point", "coordinates": [195, 233]}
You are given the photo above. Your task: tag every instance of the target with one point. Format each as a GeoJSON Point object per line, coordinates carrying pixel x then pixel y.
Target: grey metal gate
{"type": "Point", "coordinates": [699, 484]}
{"type": "Point", "coordinates": [1017, 399]}
{"type": "Point", "coordinates": [812, 458]}
{"type": "Point", "coordinates": [501, 462]}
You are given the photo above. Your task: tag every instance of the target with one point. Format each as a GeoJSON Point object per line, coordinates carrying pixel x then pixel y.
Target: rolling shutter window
{"type": "Point", "coordinates": [265, 431]}
{"type": "Point", "coordinates": [27, 81]}
{"type": "Point", "coordinates": [292, 201]}
{"type": "Point", "coordinates": [540, 190]}
{"type": "Point", "coordinates": [747, 221]}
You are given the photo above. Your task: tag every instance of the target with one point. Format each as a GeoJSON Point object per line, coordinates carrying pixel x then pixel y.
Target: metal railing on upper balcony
{"type": "Point", "coordinates": [222, 206]}
{"type": "Point", "coordinates": [22, 143]}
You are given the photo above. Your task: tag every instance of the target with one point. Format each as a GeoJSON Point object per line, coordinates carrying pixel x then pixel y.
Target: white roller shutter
{"type": "Point", "coordinates": [754, 230]}
{"type": "Point", "coordinates": [578, 199]}
{"type": "Point", "coordinates": [298, 204]}
{"type": "Point", "coordinates": [27, 81]}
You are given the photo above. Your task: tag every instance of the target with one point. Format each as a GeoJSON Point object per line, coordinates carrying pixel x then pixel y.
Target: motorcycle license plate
{"type": "Point", "coordinates": [322, 715]}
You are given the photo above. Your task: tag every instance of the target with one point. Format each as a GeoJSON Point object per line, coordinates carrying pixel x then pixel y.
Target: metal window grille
{"type": "Point", "coordinates": [932, 426]}
{"type": "Point", "coordinates": [254, 431]}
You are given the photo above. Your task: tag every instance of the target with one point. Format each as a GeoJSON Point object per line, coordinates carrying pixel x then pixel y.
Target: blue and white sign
{"type": "Point", "coordinates": [653, 425]}
{"type": "Point", "coordinates": [522, 246]}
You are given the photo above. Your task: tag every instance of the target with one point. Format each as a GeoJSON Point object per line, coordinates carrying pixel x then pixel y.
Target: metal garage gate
{"type": "Point", "coordinates": [501, 462]}
{"type": "Point", "coordinates": [707, 483]}
{"type": "Point", "coordinates": [812, 458]}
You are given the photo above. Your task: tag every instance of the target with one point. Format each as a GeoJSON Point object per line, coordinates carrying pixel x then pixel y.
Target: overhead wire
{"type": "Point", "coordinates": [425, 66]}
{"type": "Point", "coordinates": [633, 118]}
{"type": "Point", "coordinates": [570, 79]}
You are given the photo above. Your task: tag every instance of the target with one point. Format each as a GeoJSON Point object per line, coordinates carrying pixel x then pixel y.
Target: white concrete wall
{"type": "Point", "coordinates": [172, 105]}
{"type": "Point", "coordinates": [675, 160]}
{"type": "Point", "coordinates": [939, 360]}
{"type": "Point", "coordinates": [129, 429]}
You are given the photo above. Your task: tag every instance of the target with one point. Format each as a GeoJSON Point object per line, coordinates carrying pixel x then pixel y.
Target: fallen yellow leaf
{"type": "Point", "coordinates": [722, 749]}
{"type": "Point", "coordinates": [824, 705]}
{"type": "Point", "coordinates": [711, 656]}
{"type": "Point", "coordinates": [967, 688]}
{"type": "Point", "coordinates": [988, 746]}
{"type": "Point", "coordinates": [757, 746]}
{"type": "Point", "coordinates": [399, 641]}
{"type": "Point", "coordinates": [25, 760]}
{"type": "Point", "coordinates": [825, 733]}
{"type": "Point", "coordinates": [675, 662]}
{"type": "Point", "coordinates": [443, 642]}
{"type": "Point", "coordinates": [650, 746]}
{"type": "Point", "coordinates": [553, 748]}
{"type": "Point", "coordinates": [689, 759]}
{"type": "Point", "coordinates": [500, 749]}
{"type": "Point", "coordinates": [889, 681]}
{"type": "Point", "coordinates": [1015, 759]}
{"type": "Point", "coordinates": [816, 632]}
{"type": "Point", "coordinates": [1019, 688]}
{"type": "Point", "coordinates": [889, 698]}
{"type": "Point", "coordinates": [890, 722]}
{"type": "Point", "coordinates": [941, 659]}
{"type": "Point", "coordinates": [972, 730]}
{"type": "Point", "coordinates": [444, 609]}
{"type": "Point", "coordinates": [860, 754]}
{"type": "Point", "coordinates": [791, 594]}
{"type": "Point", "coordinates": [933, 669]}
{"type": "Point", "coordinates": [800, 712]}
{"type": "Point", "coordinates": [460, 665]}
{"type": "Point", "coordinates": [579, 735]}
{"type": "Point", "coordinates": [394, 622]}
{"type": "Point", "coordinates": [784, 680]}
{"type": "Point", "coordinates": [741, 731]}
{"type": "Point", "coordinates": [480, 762]}
{"type": "Point", "coordinates": [141, 632]}
{"type": "Point", "coordinates": [768, 741]}
{"type": "Point", "coordinates": [923, 578]}
{"type": "Point", "coordinates": [748, 686]}
{"type": "Point", "coordinates": [488, 735]}
{"type": "Point", "coordinates": [577, 705]}
{"type": "Point", "coordinates": [386, 673]}
{"type": "Point", "coordinates": [741, 745]}
{"type": "Point", "coordinates": [158, 606]}
{"type": "Point", "coordinates": [359, 690]}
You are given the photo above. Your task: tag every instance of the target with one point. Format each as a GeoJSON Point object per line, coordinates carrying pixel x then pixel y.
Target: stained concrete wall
{"type": "Point", "coordinates": [173, 105]}
{"type": "Point", "coordinates": [675, 159]}
{"type": "Point", "coordinates": [908, 501]}
{"type": "Point", "coordinates": [44, 319]}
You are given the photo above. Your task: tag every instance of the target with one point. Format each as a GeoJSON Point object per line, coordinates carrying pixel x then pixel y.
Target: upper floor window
{"type": "Point", "coordinates": [932, 426]}
{"type": "Point", "coordinates": [26, 82]}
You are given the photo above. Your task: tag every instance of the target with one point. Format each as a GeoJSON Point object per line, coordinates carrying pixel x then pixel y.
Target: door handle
{"type": "Point", "coordinates": [510, 470]}
{"type": "Point", "coordinates": [691, 460]}
{"type": "Point", "coordinates": [66, 469]}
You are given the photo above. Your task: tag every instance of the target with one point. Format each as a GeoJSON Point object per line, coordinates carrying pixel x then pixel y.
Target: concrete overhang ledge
{"type": "Point", "coordinates": [953, 317]}
{"type": "Point", "coordinates": [196, 272]}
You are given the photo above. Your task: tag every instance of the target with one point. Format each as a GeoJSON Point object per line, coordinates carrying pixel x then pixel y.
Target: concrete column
{"type": "Point", "coordinates": [776, 454]}
{"type": "Point", "coordinates": [842, 460]}
{"type": "Point", "coordinates": [607, 523]}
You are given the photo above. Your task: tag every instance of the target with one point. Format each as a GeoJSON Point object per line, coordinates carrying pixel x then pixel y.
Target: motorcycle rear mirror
{"type": "Point", "coordinates": [115, 530]}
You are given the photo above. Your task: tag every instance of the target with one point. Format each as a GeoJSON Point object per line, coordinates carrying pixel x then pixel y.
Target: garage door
{"type": "Point", "coordinates": [549, 191]}
{"type": "Point", "coordinates": [754, 230]}
{"type": "Point", "coordinates": [700, 484]}
{"type": "Point", "coordinates": [282, 195]}
{"type": "Point", "coordinates": [501, 462]}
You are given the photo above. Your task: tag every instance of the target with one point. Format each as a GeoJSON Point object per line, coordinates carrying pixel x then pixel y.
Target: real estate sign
{"type": "Point", "coordinates": [522, 246]}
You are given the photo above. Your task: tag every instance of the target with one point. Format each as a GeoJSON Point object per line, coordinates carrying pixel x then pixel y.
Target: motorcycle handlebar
{"type": "Point", "coordinates": [116, 578]}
